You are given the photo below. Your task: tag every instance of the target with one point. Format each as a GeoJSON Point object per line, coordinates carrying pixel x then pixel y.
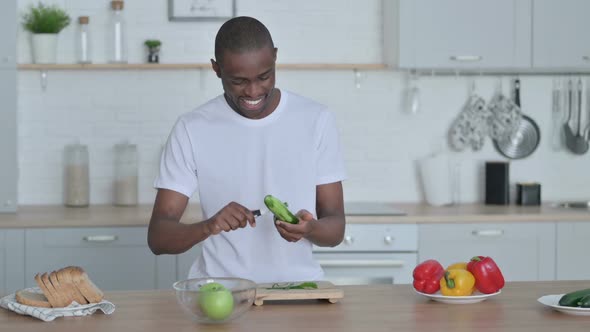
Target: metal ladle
{"type": "Point", "coordinates": [576, 143]}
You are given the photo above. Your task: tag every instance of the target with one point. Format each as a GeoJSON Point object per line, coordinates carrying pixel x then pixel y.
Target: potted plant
{"type": "Point", "coordinates": [153, 46]}
{"type": "Point", "coordinates": [45, 22]}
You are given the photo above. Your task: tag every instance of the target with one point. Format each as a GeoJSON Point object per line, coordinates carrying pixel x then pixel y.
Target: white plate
{"type": "Point", "coordinates": [478, 297]}
{"type": "Point", "coordinates": [553, 302]}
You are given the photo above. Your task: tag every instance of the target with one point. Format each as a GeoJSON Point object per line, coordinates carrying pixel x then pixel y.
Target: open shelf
{"type": "Point", "coordinates": [183, 66]}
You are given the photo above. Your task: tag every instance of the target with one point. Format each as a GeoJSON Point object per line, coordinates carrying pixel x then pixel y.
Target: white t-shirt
{"type": "Point", "coordinates": [232, 158]}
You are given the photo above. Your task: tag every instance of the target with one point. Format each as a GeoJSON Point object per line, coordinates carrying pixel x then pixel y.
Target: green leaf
{"type": "Point", "coordinates": [45, 19]}
{"type": "Point", "coordinates": [292, 285]}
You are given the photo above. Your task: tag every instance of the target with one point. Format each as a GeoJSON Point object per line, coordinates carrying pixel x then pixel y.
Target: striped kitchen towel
{"type": "Point", "coordinates": [49, 314]}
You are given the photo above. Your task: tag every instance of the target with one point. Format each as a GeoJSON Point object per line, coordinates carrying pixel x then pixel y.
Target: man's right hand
{"type": "Point", "coordinates": [229, 218]}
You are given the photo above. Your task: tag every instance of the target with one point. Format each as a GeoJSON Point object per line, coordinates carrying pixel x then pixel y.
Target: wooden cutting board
{"type": "Point", "coordinates": [325, 291]}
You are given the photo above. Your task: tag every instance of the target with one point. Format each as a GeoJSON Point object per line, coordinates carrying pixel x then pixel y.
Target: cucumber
{"type": "Point", "coordinates": [584, 302]}
{"type": "Point", "coordinates": [280, 209]}
{"type": "Point", "coordinates": [572, 299]}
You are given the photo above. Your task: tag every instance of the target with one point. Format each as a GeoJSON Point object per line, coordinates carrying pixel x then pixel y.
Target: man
{"type": "Point", "coordinates": [252, 141]}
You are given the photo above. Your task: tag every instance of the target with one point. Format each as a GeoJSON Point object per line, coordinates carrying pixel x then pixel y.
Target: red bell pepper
{"type": "Point", "coordinates": [427, 276]}
{"type": "Point", "coordinates": [488, 277]}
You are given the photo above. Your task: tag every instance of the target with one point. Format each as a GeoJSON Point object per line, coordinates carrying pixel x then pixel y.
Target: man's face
{"type": "Point", "coordinates": [248, 79]}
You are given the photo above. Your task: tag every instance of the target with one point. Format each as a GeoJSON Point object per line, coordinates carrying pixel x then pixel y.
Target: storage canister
{"type": "Point", "coordinates": [76, 176]}
{"type": "Point", "coordinates": [126, 169]}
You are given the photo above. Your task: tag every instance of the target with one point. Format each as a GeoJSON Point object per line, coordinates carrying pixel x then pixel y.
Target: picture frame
{"type": "Point", "coordinates": [198, 10]}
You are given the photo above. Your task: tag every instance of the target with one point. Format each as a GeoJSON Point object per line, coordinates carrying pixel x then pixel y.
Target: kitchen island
{"type": "Point", "coordinates": [363, 308]}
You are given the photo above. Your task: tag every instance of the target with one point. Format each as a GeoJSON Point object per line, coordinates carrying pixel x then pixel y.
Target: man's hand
{"type": "Point", "coordinates": [295, 232]}
{"type": "Point", "coordinates": [229, 218]}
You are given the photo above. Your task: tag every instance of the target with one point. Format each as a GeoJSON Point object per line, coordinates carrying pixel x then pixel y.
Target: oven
{"type": "Point", "coordinates": [371, 254]}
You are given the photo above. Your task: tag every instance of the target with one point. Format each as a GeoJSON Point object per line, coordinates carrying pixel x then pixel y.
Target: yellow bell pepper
{"type": "Point", "coordinates": [457, 282]}
{"type": "Point", "coordinates": [459, 265]}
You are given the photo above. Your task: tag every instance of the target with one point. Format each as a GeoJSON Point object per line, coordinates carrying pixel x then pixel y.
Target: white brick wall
{"type": "Point", "coordinates": [381, 142]}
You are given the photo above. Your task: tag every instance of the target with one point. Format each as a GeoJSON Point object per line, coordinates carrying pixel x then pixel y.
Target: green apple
{"type": "Point", "coordinates": [216, 301]}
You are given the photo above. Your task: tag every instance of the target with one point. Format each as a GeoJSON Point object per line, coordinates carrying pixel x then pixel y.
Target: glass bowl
{"type": "Point", "coordinates": [215, 300]}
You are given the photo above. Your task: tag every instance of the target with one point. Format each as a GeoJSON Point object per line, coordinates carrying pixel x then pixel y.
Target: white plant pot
{"type": "Point", "coordinates": [44, 47]}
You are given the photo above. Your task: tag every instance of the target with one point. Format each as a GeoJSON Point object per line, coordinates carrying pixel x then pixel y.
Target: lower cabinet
{"type": "Point", "coordinates": [116, 258]}
{"type": "Point", "coordinates": [12, 258]}
{"type": "Point", "coordinates": [523, 251]}
{"type": "Point", "coordinates": [185, 260]}
{"type": "Point", "coordinates": [572, 251]}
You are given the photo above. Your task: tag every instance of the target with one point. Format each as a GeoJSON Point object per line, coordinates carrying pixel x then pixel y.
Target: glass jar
{"type": "Point", "coordinates": [117, 39]}
{"type": "Point", "coordinates": [76, 176]}
{"type": "Point", "coordinates": [83, 49]}
{"type": "Point", "coordinates": [126, 169]}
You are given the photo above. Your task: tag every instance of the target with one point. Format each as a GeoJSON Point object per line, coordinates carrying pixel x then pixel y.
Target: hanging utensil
{"type": "Point", "coordinates": [412, 96]}
{"type": "Point", "coordinates": [578, 143]}
{"type": "Point", "coordinates": [525, 139]}
{"type": "Point", "coordinates": [556, 115]}
{"type": "Point", "coordinates": [570, 137]}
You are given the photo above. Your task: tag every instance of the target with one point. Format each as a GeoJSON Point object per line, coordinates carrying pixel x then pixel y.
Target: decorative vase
{"type": "Point", "coordinates": [153, 55]}
{"type": "Point", "coordinates": [44, 47]}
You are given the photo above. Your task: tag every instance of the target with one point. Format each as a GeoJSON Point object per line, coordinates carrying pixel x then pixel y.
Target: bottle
{"type": "Point", "coordinates": [125, 185]}
{"type": "Point", "coordinates": [116, 35]}
{"type": "Point", "coordinates": [76, 176]}
{"type": "Point", "coordinates": [83, 41]}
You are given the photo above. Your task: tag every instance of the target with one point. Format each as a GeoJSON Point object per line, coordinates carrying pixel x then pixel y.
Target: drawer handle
{"type": "Point", "coordinates": [361, 263]}
{"type": "Point", "coordinates": [488, 232]}
{"type": "Point", "coordinates": [466, 58]}
{"type": "Point", "coordinates": [100, 238]}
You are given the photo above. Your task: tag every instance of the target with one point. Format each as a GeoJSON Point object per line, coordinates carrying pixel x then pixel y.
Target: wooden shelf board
{"type": "Point", "coordinates": [182, 66]}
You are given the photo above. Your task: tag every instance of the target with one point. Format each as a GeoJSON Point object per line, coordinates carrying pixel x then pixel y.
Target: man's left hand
{"type": "Point", "coordinates": [295, 232]}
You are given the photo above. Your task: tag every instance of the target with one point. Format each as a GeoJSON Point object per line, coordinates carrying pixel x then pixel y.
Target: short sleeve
{"type": "Point", "coordinates": [177, 163]}
{"type": "Point", "coordinates": [330, 160]}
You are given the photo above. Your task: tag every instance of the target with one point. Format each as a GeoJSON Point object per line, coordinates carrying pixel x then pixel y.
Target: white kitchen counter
{"type": "Point", "coordinates": [108, 215]}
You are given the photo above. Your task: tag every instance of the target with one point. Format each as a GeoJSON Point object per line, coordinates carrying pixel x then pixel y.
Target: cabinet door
{"type": "Point", "coordinates": [560, 34]}
{"type": "Point", "coordinates": [8, 18]}
{"type": "Point", "coordinates": [572, 251]}
{"type": "Point", "coordinates": [523, 251]}
{"type": "Point", "coordinates": [458, 34]}
{"type": "Point", "coordinates": [8, 156]}
{"type": "Point", "coordinates": [185, 260]}
{"type": "Point", "coordinates": [12, 252]}
{"type": "Point", "coordinates": [115, 258]}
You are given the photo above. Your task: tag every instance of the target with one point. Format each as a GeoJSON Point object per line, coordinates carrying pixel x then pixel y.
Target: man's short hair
{"type": "Point", "coordinates": [241, 34]}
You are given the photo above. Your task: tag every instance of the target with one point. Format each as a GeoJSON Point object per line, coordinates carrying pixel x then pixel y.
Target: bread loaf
{"type": "Point", "coordinates": [60, 288]}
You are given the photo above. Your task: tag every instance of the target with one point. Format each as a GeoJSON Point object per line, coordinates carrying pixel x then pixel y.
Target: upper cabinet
{"type": "Point", "coordinates": [560, 34]}
{"type": "Point", "coordinates": [461, 34]}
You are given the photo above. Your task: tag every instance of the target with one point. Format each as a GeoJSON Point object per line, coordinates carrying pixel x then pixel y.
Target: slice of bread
{"type": "Point", "coordinates": [33, 299]}
{"type": "Point", "coordinates": [61, 301]}
{"type": "Point", "coordinates": [88, 289]}
{"type": "Point", "coordinates": [65, 281]}
{"type": "Point", "coordinates": [63, 291]}
{"type": "Point", "coordinates": [49, 295]}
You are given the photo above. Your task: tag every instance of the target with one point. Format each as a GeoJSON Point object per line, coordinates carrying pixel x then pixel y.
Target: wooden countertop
{"type": "Point", "coordinates": [364, 308]}
{"type": "Point", "coordinates": [108, 215]}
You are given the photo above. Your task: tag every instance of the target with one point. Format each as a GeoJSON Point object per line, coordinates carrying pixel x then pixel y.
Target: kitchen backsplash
{"type": "Point", "coordinates": [381, 141]}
